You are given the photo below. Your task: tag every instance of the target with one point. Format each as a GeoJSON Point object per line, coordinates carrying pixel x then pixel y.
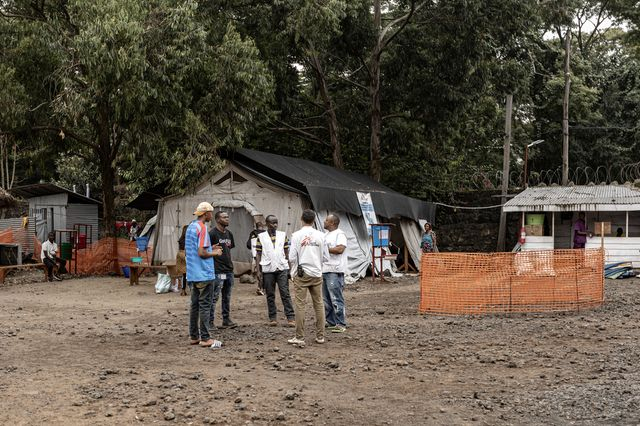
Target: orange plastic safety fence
{"type": "Point", "coordinates": [99, 258]}
{"type": "Point", "coordinates": [6, 236]}
{"type": "Point", "coordinates": [531, 281]}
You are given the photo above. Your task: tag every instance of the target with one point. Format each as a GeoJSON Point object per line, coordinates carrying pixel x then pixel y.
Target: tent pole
{"type": "Point", "coordinates": [157, 231]}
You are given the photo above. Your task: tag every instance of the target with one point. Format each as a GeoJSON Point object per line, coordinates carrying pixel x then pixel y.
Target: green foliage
{"type": "Point", "coordinates": [154, 90]}
{"type": "Point", "coordinates": [13, 100]}
{"type": "Point", "coordinates": [136, 85]}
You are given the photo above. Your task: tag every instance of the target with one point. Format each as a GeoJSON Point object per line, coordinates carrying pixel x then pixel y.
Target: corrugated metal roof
{"type": "Point", "coordinates": [43, 189]}
{"type": "Point", "coordinates": [576, 198]}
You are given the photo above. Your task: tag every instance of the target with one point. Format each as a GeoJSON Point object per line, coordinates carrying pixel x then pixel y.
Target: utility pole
{"type": "Point", "coordinates": [565, 108]}
{"type": "Point", "coordinates": [506, 156]}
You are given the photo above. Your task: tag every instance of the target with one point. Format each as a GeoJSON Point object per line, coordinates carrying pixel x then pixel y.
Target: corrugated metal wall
{"type": "Point", "coordinates": [86, 214]}
{"type": "Point", "coordinates": [23, 238]}
{"type": "Point", "coordinates": [52, 208]}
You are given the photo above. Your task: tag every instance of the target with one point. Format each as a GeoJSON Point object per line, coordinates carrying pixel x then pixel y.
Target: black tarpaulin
{"type": "Point", "coordinates": [330, 188]}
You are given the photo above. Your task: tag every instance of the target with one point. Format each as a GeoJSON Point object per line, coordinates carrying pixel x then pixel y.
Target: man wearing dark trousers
{"type": "Point", "coordinates": [272, 257]}
{"type": "Point", "coordinates": [223, 283]}
{"type": "Point", "coordinates": [49, 257]}
{"type": "Point", "coordinates": [200, 274]}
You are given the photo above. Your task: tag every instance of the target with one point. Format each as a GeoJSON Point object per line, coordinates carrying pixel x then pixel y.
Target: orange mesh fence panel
{"type": "Point", "coordinates": [532, 281]}
{"type": "Point", "coordinates": [98, 258]}
{"type": "Point", "coordinates": [6, 236]}
{"type": "Point", "coordinates": [37, 249]}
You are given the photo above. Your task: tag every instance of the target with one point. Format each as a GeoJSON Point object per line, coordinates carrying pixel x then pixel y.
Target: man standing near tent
{"type": "Point", "coordinates": [307, 248]}
{"type": "Point", "coordinates": [200, 274]}
{"type": "Point", "coordinates": [334, 266]}
{"type": "Point", "coordinates": [272, 257]}
{"type": "Point", "coordinates": [223, 282]}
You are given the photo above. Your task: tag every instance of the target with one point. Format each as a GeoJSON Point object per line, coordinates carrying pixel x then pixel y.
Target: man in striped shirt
{"type": "Point", "coordinates": [200, 274]}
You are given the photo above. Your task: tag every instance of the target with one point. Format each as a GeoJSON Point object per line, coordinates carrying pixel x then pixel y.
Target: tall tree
{"type": "Point", "coordinates": [399, 17]}
{"type": "Point", "coordinates": [13, 109]}
{"type": "Point", "coordinates": [135, 77]}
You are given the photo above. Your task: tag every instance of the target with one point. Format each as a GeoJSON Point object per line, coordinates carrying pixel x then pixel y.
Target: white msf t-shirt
{"type": "Point", "coordinates": [307, 248]}
{"type": "Point", "coordinates": [48, 247]}
{"type": "Point", "coordinates": [335, 262]}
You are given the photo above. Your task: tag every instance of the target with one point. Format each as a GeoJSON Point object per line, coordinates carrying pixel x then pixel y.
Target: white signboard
{"type": "Point", "coordinates": [366, 205]}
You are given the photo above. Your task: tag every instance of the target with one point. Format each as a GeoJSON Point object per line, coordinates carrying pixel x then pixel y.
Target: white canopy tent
{"type": "Point", "coordinates": [250, 192]}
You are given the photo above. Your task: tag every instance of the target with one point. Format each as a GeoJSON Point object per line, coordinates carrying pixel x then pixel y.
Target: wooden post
{"type": "Point", "coordinates": [373, 258]}
{"type": "Point", "coordinates": [506, 156]}
{"type": "Point", "coordinates": [626, 226]}
{"type": "Point", "coordinates": [565, 108]}
{"type": "Point", "coordinates": [405, 253]}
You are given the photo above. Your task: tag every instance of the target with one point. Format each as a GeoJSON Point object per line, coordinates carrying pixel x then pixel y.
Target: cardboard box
{"type": "Point", "coordinates": [534, 230]}
{"type": "Point", "coordinates": [597, 227]}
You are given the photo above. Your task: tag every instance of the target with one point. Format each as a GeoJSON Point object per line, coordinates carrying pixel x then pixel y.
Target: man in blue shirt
{"type": "Point", "coordinates": [200, 274]}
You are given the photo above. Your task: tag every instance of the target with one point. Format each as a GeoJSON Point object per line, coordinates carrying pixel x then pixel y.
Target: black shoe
{"type": "Point", "coordinates": [229, 324]}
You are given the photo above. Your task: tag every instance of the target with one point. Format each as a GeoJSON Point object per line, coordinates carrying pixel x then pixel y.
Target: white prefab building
{"type": "Point", "coordinates": [56, 208]}
{"type": "Point", "coordinates": [560, 205]}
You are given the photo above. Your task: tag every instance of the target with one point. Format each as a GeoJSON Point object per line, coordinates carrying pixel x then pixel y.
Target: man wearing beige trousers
{"type": "Point", "coordinates": [305, 256]}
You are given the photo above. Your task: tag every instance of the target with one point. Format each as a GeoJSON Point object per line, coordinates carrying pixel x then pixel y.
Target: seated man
{"type": "Point", "coordinates": [51, 261]}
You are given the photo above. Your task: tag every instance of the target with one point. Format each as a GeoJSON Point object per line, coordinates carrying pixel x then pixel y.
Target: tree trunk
{"type": "Point", "coordinates": [375, 169]}
{"type": "Point", "coordinates": [108, 197]}
{"type": "Point", "coordinates": [375, 166]}
{"type": "Point", "coordinates": [13, 170]}
{"type": "Point", "coordinates": [565, 108]}
{"type": "Point", "coordinates": [2, 155]}
{"type": "Point", "coordinates": [107, 172]}
{"type": "Point", "coordinates": [332, 119]}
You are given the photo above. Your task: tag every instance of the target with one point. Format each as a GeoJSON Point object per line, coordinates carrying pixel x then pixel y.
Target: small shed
{"type": "Point", "coordinates": [556, 209]}
{"type": "Point", "coordinates": [56, 208]}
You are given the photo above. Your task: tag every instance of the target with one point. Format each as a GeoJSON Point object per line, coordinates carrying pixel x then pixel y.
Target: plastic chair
{"type": "Point", "coordinates": [142, 244]}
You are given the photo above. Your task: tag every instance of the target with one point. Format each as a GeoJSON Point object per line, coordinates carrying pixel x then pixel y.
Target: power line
{"type": "Point", "coordinates": [469, 208]}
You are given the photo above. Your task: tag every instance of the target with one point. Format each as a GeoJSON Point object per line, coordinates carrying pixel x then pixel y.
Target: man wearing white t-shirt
{"type": "Point", "coordinates": [49, 258]}
{"type": "Point", "coordinates": [334, 267]}
{"type": "Point", "coordinates": [305, 256]}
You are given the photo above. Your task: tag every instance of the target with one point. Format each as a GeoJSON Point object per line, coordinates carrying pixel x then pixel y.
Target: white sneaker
{"type": "Point", "coordinates": [296, 341]}
{"type": "Point", "coordinates": [320, 340]}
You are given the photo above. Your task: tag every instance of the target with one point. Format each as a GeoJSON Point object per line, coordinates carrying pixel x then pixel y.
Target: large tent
{"type": "Point", "coordinates": [255, 184]}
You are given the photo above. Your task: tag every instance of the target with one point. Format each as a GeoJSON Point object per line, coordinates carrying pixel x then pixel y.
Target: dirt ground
{"type": "Point", "coordinates": [97, 351]}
